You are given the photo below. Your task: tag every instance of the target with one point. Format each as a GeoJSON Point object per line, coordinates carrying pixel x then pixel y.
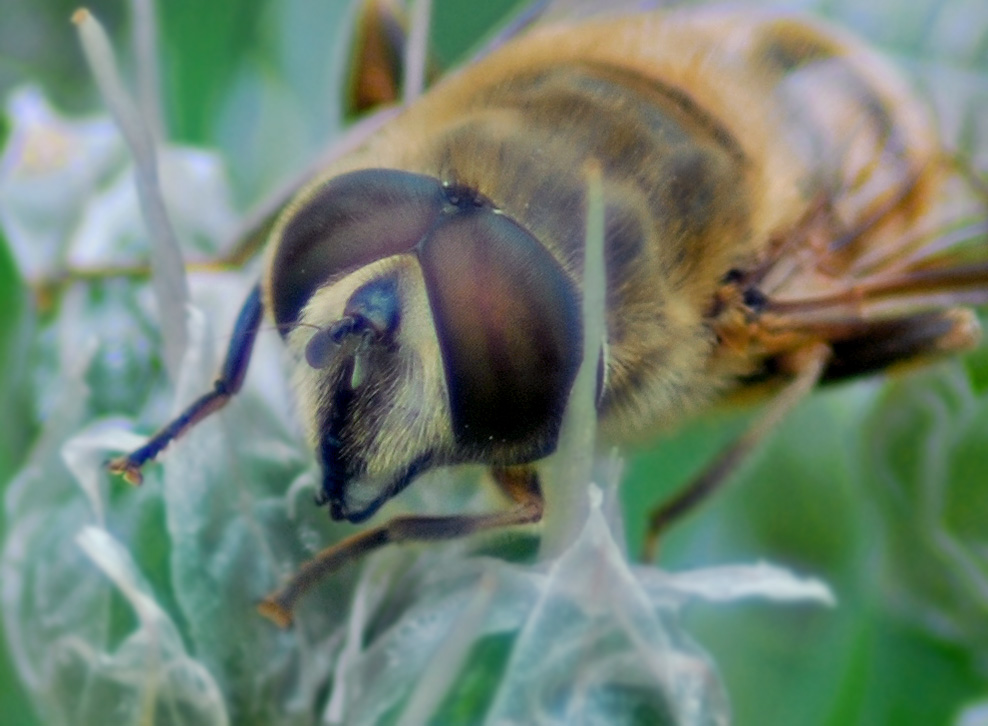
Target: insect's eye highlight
{"type": "Point", "coordinates": [462, 196]}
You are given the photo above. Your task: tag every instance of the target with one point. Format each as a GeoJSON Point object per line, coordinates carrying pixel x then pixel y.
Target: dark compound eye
{"type": "Point", "coordinates": [355, 219]}
{"type": "Point", "coordinates": [506, 314]}
{"type": "Point", "coordinates": [507, 319]}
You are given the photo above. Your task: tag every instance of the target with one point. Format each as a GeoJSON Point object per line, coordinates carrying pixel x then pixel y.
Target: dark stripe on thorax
{"type": "Point", "coordinates": [618, 92]}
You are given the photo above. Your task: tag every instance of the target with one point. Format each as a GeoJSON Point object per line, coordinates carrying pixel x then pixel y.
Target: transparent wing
{"type": "Point", "coordinates": [940, 45]}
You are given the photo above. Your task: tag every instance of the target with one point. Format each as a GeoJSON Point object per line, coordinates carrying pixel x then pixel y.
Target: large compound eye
{"type": "Point", "coordinates": [507, 319]}
{"type": "Point", "coordinates": [353, 220]}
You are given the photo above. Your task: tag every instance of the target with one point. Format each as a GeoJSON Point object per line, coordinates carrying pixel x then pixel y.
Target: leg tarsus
{"type": "Point", "coordinates": [129, 465]}
{"type": "Point", "coordinates": [226, 386]}
{"type": "Point", "coordinates": [520, 484]}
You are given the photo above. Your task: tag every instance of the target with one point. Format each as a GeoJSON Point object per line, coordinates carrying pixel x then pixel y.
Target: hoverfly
{"type": "Point", "coordinates": [775, 216]}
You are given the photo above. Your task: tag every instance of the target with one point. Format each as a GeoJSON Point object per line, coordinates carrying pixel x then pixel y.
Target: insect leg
{"type": "Point", "coordinates": [520, 484]}
{"type": "Point", "coordinates": [811, 363]}
{"type": "Point", "coordinates": [967, 283]}
{"type": "Point", "coordinates": [228, 382]}
{"type": "Point", "coordinates": [866, 346]}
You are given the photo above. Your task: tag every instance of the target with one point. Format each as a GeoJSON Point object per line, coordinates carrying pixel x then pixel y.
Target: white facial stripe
{"type": "Point", "coordinates": [415, 422]}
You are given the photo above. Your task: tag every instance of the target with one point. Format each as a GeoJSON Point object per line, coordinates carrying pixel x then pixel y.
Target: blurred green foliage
{"type": "Point", "coordinates": [907, 643]}
{"type": "Point", "coordinates": [15, 434]}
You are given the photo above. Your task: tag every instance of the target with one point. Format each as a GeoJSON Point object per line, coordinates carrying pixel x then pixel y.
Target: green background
{"type": "Point", "coordinates": [811, 499]}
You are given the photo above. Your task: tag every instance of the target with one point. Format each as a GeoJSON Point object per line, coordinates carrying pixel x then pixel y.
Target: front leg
{"type": "Point", "coordinates": [519, 483]}
{"type": "Point", "coordinates": [228, 383]}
